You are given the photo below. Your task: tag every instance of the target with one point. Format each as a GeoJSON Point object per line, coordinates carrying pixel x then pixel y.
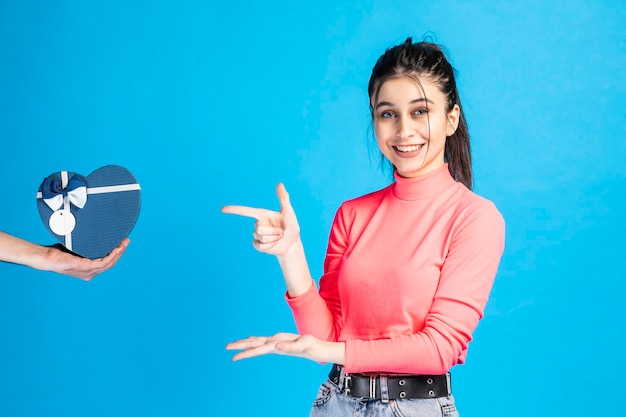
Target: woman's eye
{"type": "Point", "coordinates": [419, 112]}
{"type": "Point", "coordinates": [387, 114]}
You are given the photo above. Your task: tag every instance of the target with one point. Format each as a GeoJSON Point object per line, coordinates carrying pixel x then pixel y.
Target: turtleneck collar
{"type": "Point", "coordinates": [423, 187]}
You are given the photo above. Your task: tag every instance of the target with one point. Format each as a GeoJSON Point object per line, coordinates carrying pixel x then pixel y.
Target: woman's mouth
{"type": "Point", "coordinates": [407, 151]}
{"type": "Point", "coordinates": [408, 148]}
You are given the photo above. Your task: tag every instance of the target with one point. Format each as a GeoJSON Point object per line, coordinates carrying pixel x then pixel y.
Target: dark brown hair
{"type": "Point", "coordinates": [428, 60]}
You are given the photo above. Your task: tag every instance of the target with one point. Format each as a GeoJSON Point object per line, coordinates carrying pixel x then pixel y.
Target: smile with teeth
{"type": "Point", "coordinates": [408, 148]}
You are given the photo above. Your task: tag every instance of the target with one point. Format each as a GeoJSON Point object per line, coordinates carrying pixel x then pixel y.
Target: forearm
{"type": "Point", "coordinates": [332, 352]}
{"type": "Point", "coordinates": [19, 251]}
{"type": "Point", "coordinates": [295, 270]}
{"type": "Point", "coordinates": [426, 352]}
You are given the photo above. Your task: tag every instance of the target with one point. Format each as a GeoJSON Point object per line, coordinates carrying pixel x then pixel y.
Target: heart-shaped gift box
{"type": "Point", "coordinates": [90, 215]}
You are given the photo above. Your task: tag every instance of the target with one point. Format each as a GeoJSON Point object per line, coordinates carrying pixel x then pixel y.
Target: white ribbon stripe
{"type": "Point", "coordinates": [103, 190]}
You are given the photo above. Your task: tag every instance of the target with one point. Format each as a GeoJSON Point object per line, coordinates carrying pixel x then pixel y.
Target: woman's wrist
{"type": "Point", "coordinates": [295, 270]}
{"type": "Point", "coordinates": [295, 252]}
{"type": "Point", "coordinates": [331, 352]}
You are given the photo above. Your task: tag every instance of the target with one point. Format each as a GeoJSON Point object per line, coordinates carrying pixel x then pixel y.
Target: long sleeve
{"type": "Point", "coordinates": [318, 312]}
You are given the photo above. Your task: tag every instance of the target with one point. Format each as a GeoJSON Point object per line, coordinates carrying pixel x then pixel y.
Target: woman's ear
{"type": "Point", "coordinates": [453, 120]}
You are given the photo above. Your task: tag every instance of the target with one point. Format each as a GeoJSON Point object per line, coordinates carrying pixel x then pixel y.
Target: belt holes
{"type": "Point", "coordinates": [401, 382]}
{"type": "Point", "coordinates": [431, 393]}
{"type": "Point", "coordinates": [402, 394]}
{"type": "Point", "coordinates": [429, 381]}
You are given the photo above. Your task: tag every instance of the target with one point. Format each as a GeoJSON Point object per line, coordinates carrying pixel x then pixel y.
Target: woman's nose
{"type": "Point", "coordinates": [406, 128]}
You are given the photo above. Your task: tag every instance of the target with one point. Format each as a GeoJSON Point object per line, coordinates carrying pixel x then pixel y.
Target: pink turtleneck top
{"type": "Point", "coordinates": [407, 274]}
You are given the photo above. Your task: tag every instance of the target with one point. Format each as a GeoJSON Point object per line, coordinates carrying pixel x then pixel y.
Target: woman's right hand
{"type": "Point", "coordinates": [275, 232]}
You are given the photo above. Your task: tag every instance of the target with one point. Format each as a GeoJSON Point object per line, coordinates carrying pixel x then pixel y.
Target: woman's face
{"type": "Point", "coordinates": [411, 124]}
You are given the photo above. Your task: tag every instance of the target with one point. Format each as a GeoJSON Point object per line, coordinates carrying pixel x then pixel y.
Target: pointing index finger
{"type": "Point", "coordinates": [255, 213]}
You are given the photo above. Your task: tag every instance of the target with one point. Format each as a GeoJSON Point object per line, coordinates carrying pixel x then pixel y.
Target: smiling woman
{"type": "Point", "coordinates": [408, 268]}
{"type": "Point", "coordinates": [411, 123]}
{"type": "Point", "coordinates": [429, 93]}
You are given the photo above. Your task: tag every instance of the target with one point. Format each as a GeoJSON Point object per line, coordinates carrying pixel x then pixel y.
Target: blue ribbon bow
{"type": "Point", "coordinates": [54, 194]}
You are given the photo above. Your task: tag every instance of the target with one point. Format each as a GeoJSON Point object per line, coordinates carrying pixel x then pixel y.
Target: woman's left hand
{"type": "Point", "coordinates": [301, 346]}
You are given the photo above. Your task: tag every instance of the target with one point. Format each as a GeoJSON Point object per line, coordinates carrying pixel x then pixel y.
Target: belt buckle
{"type": "Point", "coordinates": [347, 383]}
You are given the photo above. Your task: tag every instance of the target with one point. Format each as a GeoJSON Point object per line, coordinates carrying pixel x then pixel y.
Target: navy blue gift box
{"type": "Point", "coordinates": [90, 215]}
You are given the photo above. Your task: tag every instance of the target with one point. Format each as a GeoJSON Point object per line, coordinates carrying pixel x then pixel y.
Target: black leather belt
{"type": "Point", "coordinates": [398, 386]}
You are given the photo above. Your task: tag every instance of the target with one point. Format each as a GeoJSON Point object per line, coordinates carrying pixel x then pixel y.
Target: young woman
{"type": "Point", "coordinates": [55, 259]}
{"type": "Point", "coordinates": [408, 268]}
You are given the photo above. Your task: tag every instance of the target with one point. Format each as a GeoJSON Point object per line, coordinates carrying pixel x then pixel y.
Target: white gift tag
{"type": "Point", "coordinates": [62, 222]}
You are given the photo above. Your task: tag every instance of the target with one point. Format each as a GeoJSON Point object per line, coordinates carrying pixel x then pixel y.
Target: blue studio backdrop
{"type": "Point", "coordinates": [214, 103]}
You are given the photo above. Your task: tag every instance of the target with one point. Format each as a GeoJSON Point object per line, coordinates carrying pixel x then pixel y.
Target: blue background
{"type": "Point", "coordinates": [213, 104]}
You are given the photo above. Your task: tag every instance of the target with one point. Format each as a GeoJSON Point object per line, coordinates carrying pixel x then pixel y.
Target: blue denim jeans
{"type": "Point", "coordinates": [332, 402]}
